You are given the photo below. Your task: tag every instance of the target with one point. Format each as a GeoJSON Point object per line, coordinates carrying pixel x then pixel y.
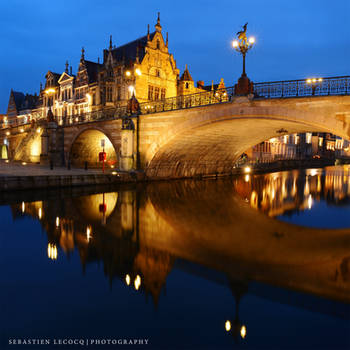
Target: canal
{"type": "Point", "coordinates": [249, 262]}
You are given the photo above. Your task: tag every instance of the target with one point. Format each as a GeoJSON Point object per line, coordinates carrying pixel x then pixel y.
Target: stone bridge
{"type": "Point", "coordinates": [186, 142]}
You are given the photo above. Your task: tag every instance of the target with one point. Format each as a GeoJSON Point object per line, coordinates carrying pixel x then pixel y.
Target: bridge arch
{"type": "Point", "coordinates": [86, 145]}
{"type": "Point", "coordinates": [210, 139]}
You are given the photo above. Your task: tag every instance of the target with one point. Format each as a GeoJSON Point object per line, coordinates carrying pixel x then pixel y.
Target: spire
{"type": "Point", "coordinates": [148, 32]}
{"type": "Point", "coordinates": [110, 42]}
{"type": "Point", "coordinates": [158, 26]}
{"type": "Point", "coordinates": [166, 43]}
{"type": "Point", "coordinates": [137, 53]}
{"type": "Point", "coordinates": [67, 64]}
{"type": "Point", "coordinates": [212, 85]}
{"type": "Point", "coordinates": [41, 87]}
{"type": "Point", "coordinates": [186, 76]}
{"type": "Point", "coordinates": [82, 54]}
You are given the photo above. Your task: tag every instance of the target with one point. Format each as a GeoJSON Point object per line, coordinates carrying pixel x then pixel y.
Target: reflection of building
{"type": "Point", "coordinates": [144, 67]}
{"type": "Point", "coordinates": [278, 193]}
{"type": "Point", "coordinates": [300, 146]}
{"type": "Point", "coordinates": [77, 224]}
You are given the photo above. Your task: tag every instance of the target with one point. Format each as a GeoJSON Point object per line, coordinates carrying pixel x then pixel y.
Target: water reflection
{"type": "Point", "coordinates": [140, 235]}
{"type": "Point", "coordinates": [292, 191]}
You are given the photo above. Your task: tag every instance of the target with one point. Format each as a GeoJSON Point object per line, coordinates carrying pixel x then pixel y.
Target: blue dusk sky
{"type": "Point", "coordinates": [295, 39]}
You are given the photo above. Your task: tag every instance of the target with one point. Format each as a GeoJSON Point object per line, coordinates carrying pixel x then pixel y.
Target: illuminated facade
{"type": "Point", "coordinates": [143, 67]}
{"type": "Point", "coordinates": [300, 146]}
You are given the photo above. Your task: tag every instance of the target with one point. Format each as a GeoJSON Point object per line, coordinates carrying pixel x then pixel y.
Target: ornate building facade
{"type": "Point", "coordinates": [143, 67]}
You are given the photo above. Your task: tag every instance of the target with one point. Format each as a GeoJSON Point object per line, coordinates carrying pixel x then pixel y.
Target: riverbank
{"type": "Point", "coordinates": [22, 176]}
{"type": "Point", "coordinates": [19, 176]}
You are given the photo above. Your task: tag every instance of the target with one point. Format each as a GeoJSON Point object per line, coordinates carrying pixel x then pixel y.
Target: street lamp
{"type": "Point", "coordinates": [50, 92]}
{"type": "Point", "coordinates": [314, 82]}
{"type": "Point", "coordinates": [242, 45]}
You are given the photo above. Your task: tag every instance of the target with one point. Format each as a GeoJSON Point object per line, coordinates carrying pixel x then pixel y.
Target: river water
{"type": "Point", "coordinates": [251, 262]}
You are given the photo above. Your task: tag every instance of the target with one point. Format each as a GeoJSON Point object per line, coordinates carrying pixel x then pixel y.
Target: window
{"type": "Point", "coordinates": [158, 44]}
{"type": "Point", "coordinates": [157, 73]}
{"type": "Point", "coordinates": [163, 94]}
{"type": "Point", "coordinates": [308, 137]}
{"type": "Point", "coordinates": [186, 85]}
{"type": "Point", "coordinates": [156, 93]}
{"type": "Point", "coordinates": [109, 92]}
{"type": "Point", "coordinates": [150, 92]}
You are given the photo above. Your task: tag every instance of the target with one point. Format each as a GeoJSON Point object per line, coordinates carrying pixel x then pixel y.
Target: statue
{"type": "Point", "coordinates": [242, 34]}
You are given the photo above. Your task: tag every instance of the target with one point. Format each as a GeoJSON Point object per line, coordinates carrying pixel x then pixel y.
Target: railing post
{"type": "Point", "coordinates": [346, 85]}
{"type": "Point", "coordinates": [329, 87]}
{"type": "Point", "coordinates": [297, 94]}
{"type": "Point", "coordinates": [282, 89]}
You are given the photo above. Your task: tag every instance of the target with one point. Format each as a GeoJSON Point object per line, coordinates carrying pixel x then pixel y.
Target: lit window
{"type": "Point", "coordinates": [150, 92]}
{"type": "Point", "coordinates": [296, 139]}
{"type": "Point", "coordinates": [156, 93]}
{"type": "Point", "coordinates": [308, 137]}
{"type": "Point", "coordinates": [163, 94]}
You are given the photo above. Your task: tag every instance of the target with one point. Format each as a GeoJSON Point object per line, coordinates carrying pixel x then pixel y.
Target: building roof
{"type": "Point", "coordinates": [92, 70]}
{"type": "Point", "coordinates": [131, 50]}
{"type": "Point", "coordinates": [21, 101]}
{"type": "Point", "coordinates": [30, 101]}
{"type": "Point", "coordinates": [18, 98]}
{"type": "Point", "coordinates": [186, 75]}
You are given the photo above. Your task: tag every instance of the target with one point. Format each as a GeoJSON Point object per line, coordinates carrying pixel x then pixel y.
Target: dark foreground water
{"type": "Point", "coordinates": [254, 262]}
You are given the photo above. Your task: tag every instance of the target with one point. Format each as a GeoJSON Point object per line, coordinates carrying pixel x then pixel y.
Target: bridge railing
{"type": "Point", "coordinates": [275, 89]}
{"type": "Point", "coordinates": [187, 101]}
{"type": "Point", "coordinates": [303, 88]}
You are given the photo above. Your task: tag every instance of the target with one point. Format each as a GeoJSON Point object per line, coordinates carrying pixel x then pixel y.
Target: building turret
{"type": "Point", "coordinates": [186, 84]}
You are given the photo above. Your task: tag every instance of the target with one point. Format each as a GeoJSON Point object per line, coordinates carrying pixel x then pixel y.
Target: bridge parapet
{"type": "Point", "coordinates": [332, 86]}
{"type": "Point", "coordinates": [303, 88]}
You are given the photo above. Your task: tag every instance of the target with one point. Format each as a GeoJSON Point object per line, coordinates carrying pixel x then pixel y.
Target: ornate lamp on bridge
{"type": "Point", "coordinates": [314, 84]}
{"type": "Point", "coordinates": [242, 44]}
{"type": "Point", "coordinates": [50, 92]}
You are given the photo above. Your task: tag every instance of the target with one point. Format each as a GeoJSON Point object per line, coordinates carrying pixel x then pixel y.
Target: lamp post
{"type": "Point", "coordinates": [49, 92]}
{"type": "Point", "coordinates": [242, 45]}
{"type": "Point", "coordinates": [314, 83]}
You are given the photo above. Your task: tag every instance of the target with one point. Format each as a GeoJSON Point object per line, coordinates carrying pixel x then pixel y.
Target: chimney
{"type": "Point", "coordinates": [200, 84]}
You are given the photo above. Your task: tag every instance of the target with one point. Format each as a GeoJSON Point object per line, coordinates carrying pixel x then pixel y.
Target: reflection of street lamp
{"type": "Point", "coordinates": [314, 84]}
{"type": "Point", "coordinates": [235, 327]}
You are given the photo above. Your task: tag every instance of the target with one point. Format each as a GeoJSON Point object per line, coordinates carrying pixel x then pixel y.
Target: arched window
{"type": "Point", "coordinates": [158, 44]}
{"type": "Point", "coordinates": [186, 85]}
